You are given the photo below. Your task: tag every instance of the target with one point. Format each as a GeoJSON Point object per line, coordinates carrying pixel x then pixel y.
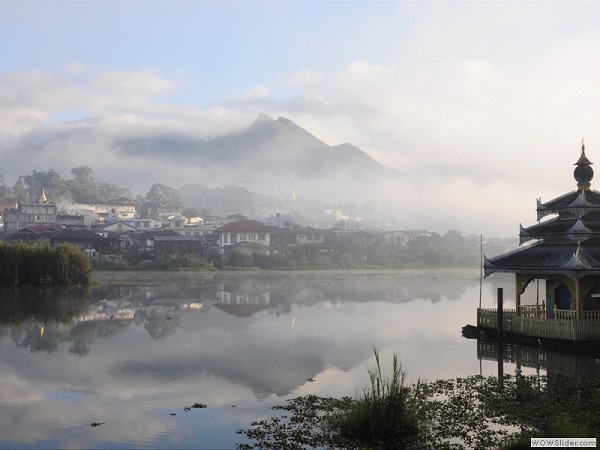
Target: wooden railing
{"type": "Point", "coordinates": [532, 311]}
{"type": "Point", "coordinates": [569, 314]}
{"type": "Point", "coordinates": [562, 326]}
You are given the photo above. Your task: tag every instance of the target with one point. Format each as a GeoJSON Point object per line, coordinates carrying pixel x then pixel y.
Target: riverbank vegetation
{"type": "Point", "coordinates": [43, 265]}
{"type": "Point", "coordinates": [450, 250]}
{"type": "Point", "coordinates": [463, 413]}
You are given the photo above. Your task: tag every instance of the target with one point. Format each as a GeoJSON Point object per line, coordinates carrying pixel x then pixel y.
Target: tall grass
{"type": "Point", "coordinates": [43, 265]}
{"type": "Point", "coordinates": [385, 416]}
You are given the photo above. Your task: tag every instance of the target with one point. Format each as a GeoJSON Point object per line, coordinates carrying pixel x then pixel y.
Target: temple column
{"type": "Point", "coordinates": [518, 284]}
{"type": "Point", "coordinates": [578, 308]}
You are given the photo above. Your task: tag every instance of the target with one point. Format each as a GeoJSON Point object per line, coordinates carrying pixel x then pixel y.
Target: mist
{"type": "Point", "coordinates": [478, 108]}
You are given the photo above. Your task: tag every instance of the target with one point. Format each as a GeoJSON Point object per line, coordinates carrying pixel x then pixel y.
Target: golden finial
{"type": "Point", "coordinates": [43, 198]}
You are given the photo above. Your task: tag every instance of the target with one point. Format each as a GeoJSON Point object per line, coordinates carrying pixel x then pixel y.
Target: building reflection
{"type": "Point", "coordinates": [553, 362]}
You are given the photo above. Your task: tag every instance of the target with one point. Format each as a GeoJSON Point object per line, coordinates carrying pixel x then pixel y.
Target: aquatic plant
{"type": "Point", "coordinates": [462, 413]}
{"type": "Point", "coordinates": [386, 413]}
{"type": "Point", "coordinates": [40, 264]}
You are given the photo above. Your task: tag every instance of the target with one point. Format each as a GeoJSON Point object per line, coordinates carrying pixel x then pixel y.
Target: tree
{"type": "Point", "coordinates": [51, 181]}
{"type": "Point", "coordinates": [106, 192]}
{"type": "Point", "coordinates": [84, 182]}
{"type": "Point", "coordinates": [190, 212]}
{"type": "Point", "coordinates": [4, 189]}
{"type": "Point", "coordinates": [20, 190]}
{"type": "Point", "coordinates": [161, 197]}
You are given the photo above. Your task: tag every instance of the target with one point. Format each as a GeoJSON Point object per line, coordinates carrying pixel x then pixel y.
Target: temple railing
{"type": "Point", "coordinates": [532, 311]}
{"type": "Point", "coordinates": [562, 326]}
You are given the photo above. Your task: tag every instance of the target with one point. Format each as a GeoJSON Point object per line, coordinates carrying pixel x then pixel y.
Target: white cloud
{"type": "Point", "coordinates": [477, 99]}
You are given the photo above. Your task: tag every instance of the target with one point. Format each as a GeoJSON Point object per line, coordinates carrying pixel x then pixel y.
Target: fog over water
{"type": "Point", "coordinates": [134, 353]}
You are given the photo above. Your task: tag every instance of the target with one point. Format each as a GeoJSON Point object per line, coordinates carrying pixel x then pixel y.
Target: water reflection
{"type": "Point", "coordinates": [137, 348]}
{"type": "Point", "coordinates": [542, 359]}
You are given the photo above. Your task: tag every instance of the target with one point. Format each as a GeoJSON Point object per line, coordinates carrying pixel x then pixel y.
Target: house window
{"type": "Point", "coordinates": [252, 237]}
{"type": "Point", "coordinates": [146, 225]}
{"type": "Point", "coordinates": [243, 237]}
{"type": "Point", "coordinates": [234, 238]}
{"type": "Point", "coordinates": [262, 237]}
{"type": "Point", "coordinates": [224, 238]}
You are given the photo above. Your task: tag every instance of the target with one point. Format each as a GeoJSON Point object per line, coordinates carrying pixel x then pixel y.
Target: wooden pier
{"type": "Point", "coordinates": [532, 323]}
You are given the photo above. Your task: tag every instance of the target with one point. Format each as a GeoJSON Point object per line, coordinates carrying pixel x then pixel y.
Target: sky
{"type": "Point", "coordinates": [482, 106]}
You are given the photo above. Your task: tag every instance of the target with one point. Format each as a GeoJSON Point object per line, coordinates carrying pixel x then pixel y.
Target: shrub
{"type": "Point", "coordinates": [40, 264]}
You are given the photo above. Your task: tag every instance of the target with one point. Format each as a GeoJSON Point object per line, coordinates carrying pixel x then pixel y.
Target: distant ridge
{"type": "Point", "coordinates": [265, 146]}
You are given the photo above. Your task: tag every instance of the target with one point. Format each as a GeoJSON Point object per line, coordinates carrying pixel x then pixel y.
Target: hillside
{"type": "Point", "coordinates": [266, 146]}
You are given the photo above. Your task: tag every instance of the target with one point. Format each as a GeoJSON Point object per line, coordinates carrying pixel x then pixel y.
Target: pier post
{"type": "Point", "coordinates": [500, 339]}
{"type": "Point", "coordinates": [500, 313]}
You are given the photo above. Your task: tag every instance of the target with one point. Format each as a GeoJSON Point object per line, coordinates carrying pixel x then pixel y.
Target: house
{"type": "Point", "coordinates": [565, 253]}
{"type": "Point", "coordinates": [279, 221]}
{"type": "Point", "coordinates": [168, 242]}
{"type": "Point", "coordinates": [95, 210]}
{"type": "Point", "coordinates": [35, 232]}
{"type": "Point", "coordinates": [235, 217]}
{"type": "Point", "coordinates": [176, 222]}
{"type": "Point", "coordinates": [244, 231]}
{"type": "Point", "coordinates": [143, 224]}
{"type": "Point", "coordinates": [29, 213]}
{"type": "Point", "coordinates": [167, 245]}
{"type": "Point", "coordinates": [96, 246]}
{"type": "Point", "coordinates": [70, 220]}
{"type": "Point", "coordinates": [397, 238]}
{"type": "Point", "coordinates": [247, 249]}
{"type": "Point", "coordinates": [104, 229]}
{"type": "Point", "coordinates": [310, 235]}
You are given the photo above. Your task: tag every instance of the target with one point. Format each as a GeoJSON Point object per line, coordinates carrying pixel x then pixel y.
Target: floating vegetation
{"type": "Point", "coordinates": [194, 406]}
{"type": "Point", "coordinates": [462, 413]}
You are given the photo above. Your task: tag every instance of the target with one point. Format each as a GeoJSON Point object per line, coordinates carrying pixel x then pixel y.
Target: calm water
{"type": "Point", "coordinates": [135, 351]}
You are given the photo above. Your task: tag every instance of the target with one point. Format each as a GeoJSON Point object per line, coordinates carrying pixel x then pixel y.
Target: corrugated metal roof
{"type": "Point", "coordinates": [571, 259]}
{"type": "Point", "coordinates": [177, 237]}
{"type": "Point", "coordinates": [244, 226]}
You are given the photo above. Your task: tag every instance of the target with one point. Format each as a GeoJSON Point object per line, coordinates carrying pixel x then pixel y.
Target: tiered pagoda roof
{"type": "Point", "coordinates": [568, 244]}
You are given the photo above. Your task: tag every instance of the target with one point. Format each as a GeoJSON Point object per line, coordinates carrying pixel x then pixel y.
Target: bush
{"type": "Point", "coordinates": [41, 264]}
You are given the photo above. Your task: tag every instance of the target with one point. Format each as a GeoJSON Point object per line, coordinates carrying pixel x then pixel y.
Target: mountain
{"type": "Point", "coordinates": [266, 146]}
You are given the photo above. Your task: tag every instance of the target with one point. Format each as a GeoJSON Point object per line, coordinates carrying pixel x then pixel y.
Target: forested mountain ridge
{"type": "Point", "coordinates": [267, 145]}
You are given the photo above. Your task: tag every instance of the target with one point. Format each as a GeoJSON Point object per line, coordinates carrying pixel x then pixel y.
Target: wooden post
{"type": "Point", "coordinates": [500, 341]}
{"type": "Point", "coordinates": [500, 313]}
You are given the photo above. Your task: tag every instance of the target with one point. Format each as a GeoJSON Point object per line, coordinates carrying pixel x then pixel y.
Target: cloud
{"type": "Point", "coordinates": [468, 98]}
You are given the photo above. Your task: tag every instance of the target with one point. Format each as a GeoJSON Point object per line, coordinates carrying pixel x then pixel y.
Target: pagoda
{"type": "Point", "coordinates": [565, 252]}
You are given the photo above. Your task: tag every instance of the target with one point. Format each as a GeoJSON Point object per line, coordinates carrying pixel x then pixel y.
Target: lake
{"type": "Point", "coordinates": [133, 351]}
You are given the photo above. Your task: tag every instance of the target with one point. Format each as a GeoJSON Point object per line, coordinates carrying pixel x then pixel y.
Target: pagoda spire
{"type": "Point", "coordinates": [43, 198]}
{"type": "Point", "coordinates": [583, 172]}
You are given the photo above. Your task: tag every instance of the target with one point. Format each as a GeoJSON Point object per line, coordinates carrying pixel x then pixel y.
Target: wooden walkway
{"type": "Point", "coordinates": [564, 327]}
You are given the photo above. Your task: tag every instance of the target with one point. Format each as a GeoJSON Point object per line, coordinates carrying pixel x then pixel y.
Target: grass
{"type": "Point", "coordinates": [385, 414]}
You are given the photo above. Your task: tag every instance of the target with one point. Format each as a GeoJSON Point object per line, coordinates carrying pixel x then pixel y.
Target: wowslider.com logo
{"type": "Point", "coordinates": [563, 442]}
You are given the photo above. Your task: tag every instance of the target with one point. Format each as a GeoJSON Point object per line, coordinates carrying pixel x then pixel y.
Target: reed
{"type": "Point", "coordinates": [385, 415]}
{"type": "Point", "coordinates": [43, 265]}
